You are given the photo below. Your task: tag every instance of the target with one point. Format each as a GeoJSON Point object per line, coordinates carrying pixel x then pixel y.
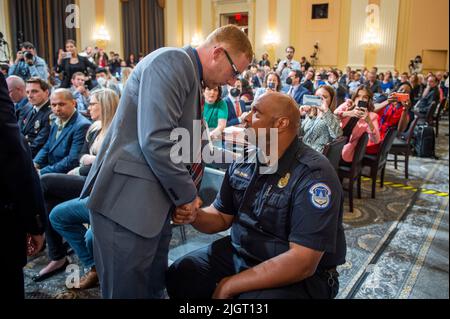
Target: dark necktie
{"type": "Point", "coordinates": [196, 169]}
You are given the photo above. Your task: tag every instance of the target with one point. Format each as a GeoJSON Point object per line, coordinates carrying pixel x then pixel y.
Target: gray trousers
{"type": "Point", "coordinates": [129, 266]}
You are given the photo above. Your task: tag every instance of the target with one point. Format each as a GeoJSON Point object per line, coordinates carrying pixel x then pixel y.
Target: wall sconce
{"type": "Point", "coordinates": [101, 36]}
{"type": "Point", "coordinates": [271, 39]}
{"type": "Point", "coordinates": [371, 38]}
{"type": "Point", "coordinates": [196, 40]}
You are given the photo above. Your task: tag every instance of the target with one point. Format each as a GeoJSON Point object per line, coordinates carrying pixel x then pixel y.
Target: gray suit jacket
{"type": "Point", "coordinates": [133, 180]}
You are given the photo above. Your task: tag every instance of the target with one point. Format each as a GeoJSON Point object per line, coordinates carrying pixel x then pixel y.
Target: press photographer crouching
{"type": "Point", "coordinates": [28, 64]}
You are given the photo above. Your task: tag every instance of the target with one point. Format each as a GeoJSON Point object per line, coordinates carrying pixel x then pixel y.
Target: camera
{"type": "Point", "coordinates": [28, 55]}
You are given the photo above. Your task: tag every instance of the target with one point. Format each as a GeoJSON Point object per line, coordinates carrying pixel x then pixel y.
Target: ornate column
{"type": "Point", "coordinates": [389, 13]}
{"type": "Point", "coordinates": [357, 27]}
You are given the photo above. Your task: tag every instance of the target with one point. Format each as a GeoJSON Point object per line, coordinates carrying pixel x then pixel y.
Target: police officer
{"type": "Point", "coordinates": [35, 122]}
{"type": "Point", "coordinates": [286, 227]}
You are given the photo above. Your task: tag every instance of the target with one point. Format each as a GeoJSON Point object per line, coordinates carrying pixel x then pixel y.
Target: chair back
{"type": "Point", "coordinates": [408, 135]}
{"type": "Point", "coordinates": [430, 113]}
{"type": "Point", "coordinates": [360, 150]}
{"type": "Point", "coordinates": [333, 151]}
{"type": "Point", "coordinates": [385, 146]}
{"type": "Point", "coordinates": [439, 110]}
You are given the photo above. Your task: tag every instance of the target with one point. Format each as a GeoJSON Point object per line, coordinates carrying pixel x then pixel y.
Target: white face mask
{"type": "Point", "coordinates": [101, 81]}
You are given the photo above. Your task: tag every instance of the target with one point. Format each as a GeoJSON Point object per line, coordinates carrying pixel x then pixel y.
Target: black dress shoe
{"type": "Point", "coordinates": [38, 278]}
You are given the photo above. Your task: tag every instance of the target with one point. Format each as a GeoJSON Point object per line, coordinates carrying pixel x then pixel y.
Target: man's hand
{"type": "Point", "coordinates": [19, 57]}
{"type": "Point", "coordinates": [187, 213]}
{"type": "Point", "coordinates": [222, 291]}
{"type": "Point", "coordinates": [34, 244]}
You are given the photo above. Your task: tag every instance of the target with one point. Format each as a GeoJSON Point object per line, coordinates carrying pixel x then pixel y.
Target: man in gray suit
{"type": "Point", "coordinates": [134, 186]}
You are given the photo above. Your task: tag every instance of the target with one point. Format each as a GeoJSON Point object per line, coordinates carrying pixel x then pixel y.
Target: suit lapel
{"type": "Point", "coordinates": [65, 131]}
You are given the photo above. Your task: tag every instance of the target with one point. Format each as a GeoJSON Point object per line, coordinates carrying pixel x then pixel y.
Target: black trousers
{"type": "Point", "coordinates": [58, 188]}
{"type": "Point", "coordinates": [197, 274]}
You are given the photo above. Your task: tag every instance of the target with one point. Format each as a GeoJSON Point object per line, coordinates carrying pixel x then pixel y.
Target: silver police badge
{"type": "Point", "coordinates": [320, 195]}
{"type": "Point", "coordinates": [37, 125]}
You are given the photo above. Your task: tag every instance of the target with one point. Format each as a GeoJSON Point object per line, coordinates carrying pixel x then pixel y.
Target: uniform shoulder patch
{"type": "Point", "coordinates": [320, 195]}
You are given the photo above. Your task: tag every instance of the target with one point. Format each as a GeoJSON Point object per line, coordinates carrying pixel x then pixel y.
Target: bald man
{"type": "Point", "coordinates": [286, 231]}
{"type": "Point", "coordinates": [18, 94]}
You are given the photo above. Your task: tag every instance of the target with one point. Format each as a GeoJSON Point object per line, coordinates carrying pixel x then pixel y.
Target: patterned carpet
{"type": "Point", "coordinates": [391, 239]}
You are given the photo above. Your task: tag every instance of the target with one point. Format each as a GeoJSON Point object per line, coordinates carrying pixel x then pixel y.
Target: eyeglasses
{"type": "Point", "coordinates": [236, 72]}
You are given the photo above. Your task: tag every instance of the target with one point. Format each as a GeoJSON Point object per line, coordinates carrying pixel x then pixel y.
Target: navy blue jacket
{"type": "Point", "coordinates": [35, 128]}
{"type": "Point", "coordinates": [232, 117]}
{"type": "Point", "coordinates": [61, 155]}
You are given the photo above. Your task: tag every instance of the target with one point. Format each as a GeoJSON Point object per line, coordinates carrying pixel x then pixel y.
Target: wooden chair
{"type": "Point", "coordinates": [437, 116]}
{"type": "Point", "coordinates": [377, 162]}
{"type": "Point", "coordinates": [353, 172]}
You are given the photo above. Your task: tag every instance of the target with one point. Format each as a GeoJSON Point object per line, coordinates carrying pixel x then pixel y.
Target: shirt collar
{"type": "Point", "coordinates": [63, 124]}
{"type": "Point", "coordinates": [38, 107]}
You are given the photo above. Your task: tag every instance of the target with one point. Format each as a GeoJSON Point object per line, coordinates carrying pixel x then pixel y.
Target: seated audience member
{"type": "Point", "coordinates": [272, 83]}
{"type": "Point", "coordinates": [307, 81]}
{"type": "Point", "coordinates": [68, 220]}
{"type": "Point", "coordinates": [355, 82]}
{"type": "Point", "coordinates": [104, 80]}
{"type": "Point", "coordinates": [345, 79]}
{"type": "Point", "coordinates": [264, 61]}
{"type": "Point", "coordinates": [236, 106]}
{"type": "Point", "coordinates": [215, 112]}
{"type": "Point", "coordinates": [28, 64]}
{"type": "Point", "coordinates": [80, 92]}
{"type": "Point", "coordinates": [318, 81]}
{"type": "Point", "coordinates": [296, 91]}
{"type": "Point", "coordinates": [430, 94]}
{"type": "Point", "coordinates": [34, 122]}
{"type": "Point", "coordinates": [59, 188]}
{"type": "Point", "coordinates": [341, 91]}
{"type": "Point", "coordinates": [4, 69]}
{"type": "Point", "coordinates": [396, 79]}
{"type": "Point", "coordinates": [286, 249]}
{"type": "Point", "coordinates": [355, 121]}
{"type": "Point", "coordinates": [124, 75]}
{"type": "Point", "coordinates": [101, 58]}
{"type": "Point", "coordinates": [373, 84]}
{"type": "Point", "coordinates": [387, 85]}
{"type": "Point", "coordinates": [246, 90]}
{"type": "Point", "coordinates": [258, 78]}
{"type": "Point", "coordinates": [391, 114]}
{"type": "Point", "coordinates": [71, 62]}
{"type": "Point", "coordinates": [18, 94]}
{"type": "Point", "coordinates": [60, 152]}
{"type": "Point", "coordinates": [320, 125]}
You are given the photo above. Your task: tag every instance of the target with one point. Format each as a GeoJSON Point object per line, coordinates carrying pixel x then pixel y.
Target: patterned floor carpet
{"type": "Point", "coordinates": [397, 243]}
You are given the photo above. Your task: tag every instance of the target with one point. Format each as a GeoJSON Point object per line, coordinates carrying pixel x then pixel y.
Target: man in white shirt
{"type": "Point", "coordinates": [286, 66]}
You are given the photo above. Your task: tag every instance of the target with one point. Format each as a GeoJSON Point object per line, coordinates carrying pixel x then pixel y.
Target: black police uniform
{"type": "Point", "coordinates": [36, 127]}
{"type": "Point", "coordinates": [301, 203]}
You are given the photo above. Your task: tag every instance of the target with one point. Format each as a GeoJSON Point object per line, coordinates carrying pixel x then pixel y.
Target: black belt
{"type": "Point", "coordinates": [330, 274]}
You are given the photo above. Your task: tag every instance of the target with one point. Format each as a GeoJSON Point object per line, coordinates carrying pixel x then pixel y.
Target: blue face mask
{"type": "Point", "coordinates": [271, 85]}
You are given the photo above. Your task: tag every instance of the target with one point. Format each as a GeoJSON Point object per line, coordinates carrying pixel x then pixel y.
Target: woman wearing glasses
{"type": "Point", "coordinates": [58, 188]}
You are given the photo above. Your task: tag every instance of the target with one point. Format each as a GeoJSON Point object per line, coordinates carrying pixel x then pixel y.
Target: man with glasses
{"type": "Point", "coordinates": [133, 186]}
{"type": "Point", "coordinates": [286, 66]}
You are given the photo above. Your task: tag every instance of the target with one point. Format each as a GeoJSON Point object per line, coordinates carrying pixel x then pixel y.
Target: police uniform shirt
{"type": "Point", "coordinates": [301, 203]}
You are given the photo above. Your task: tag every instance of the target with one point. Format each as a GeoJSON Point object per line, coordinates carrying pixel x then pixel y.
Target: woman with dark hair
{"type": "Point", "coordinates": [131, 61]}
{"type": "Point", "coordinates": [215, 111]}
{"type": "Point", "coordinates": [357, 117]}
{"type": "Point", "coordinates": [101, 58]}
{"type": "Point", "coordinates": [70, 62]}
{"type": "Point", "coordinates": [320, 125]}
{"type": "Point", "coordinates": [272, 83]}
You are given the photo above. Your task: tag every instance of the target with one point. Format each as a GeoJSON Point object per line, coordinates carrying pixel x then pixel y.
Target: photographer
{"type": "Point", "coordinates": [286, 66]}
{"type": "Point", "coordinates": [28, 64]}
{"type": "Point", "coordinates": [415, 66]}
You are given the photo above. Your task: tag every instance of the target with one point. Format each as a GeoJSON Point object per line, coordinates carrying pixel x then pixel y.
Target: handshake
{"type": "Point", "coordinates": [187, 213]}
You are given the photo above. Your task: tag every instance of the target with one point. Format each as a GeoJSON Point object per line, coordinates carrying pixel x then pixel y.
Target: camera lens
{"type": "Point", "coordinates": [28, 55]}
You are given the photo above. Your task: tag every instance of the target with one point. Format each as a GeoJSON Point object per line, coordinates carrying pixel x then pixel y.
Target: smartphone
{"type": "Point", "coordinates": [402, 97]}
{"type": "Point", "coordinates": [67, 55]}
{"type": "Point", "coordinates": [362, 104]}
{"type": "Point", "coordinates": [312, 100]}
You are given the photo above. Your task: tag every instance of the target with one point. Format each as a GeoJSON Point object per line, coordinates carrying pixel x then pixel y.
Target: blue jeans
{"type": "Point", "coordinates": [67, 219]}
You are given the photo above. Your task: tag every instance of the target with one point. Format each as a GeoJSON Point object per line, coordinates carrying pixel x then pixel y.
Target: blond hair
{"type": "Point", "coordinates": [125, 74]}
{"type": "Point", "coordinates": [109, 101]}
{"type": "Point", "coordinates": [235, 38]}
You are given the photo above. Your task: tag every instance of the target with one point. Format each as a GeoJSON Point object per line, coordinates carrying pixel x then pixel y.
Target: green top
{"type": "Point", "coordinates": [212, 113]}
